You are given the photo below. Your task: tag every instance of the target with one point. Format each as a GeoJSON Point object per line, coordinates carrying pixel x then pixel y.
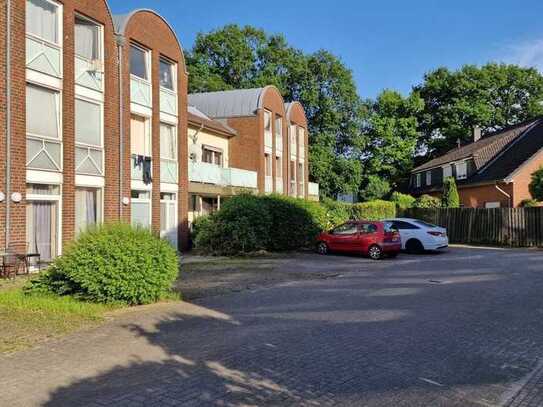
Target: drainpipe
{"type": "Point", "coordinates": [509, 197]}
{"type": "Point", "coordinates": [120, 45]}
{"type": "Point", "coordinates": [8, 120]}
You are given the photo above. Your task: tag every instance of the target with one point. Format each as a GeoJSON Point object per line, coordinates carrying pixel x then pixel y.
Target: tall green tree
{"type": "Point", "coordinates": [492, 97]}
{"type": "Point", "coordinates": [536, 185]}
{"type": "Point", "coordinates": [390, 127]}
{"type": "Point", "coordinates": [234, 57]}
{"type": "Point", "coordinates": [450, 198]}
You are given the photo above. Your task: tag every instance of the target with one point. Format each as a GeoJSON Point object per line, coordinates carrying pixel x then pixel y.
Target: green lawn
{"type": "Point", "coordinates": [28, 320]}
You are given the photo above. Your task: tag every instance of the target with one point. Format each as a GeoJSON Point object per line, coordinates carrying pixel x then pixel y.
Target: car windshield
{"type": "Point", "coordinates": [425, 224]}
{"type": "Point", "coordinates": [390, 227]}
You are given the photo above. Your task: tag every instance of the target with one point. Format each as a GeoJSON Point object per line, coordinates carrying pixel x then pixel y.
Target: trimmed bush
{"type": "Point", "coordinates": [450, 198]}
{"type": "Point", "coordinates": [374, 210]}
{"type": "Point", "coordinates": [337, 212]}
{"type": "Point", "coordinates": [536, 185]}
{"type": "Point", "coordinates": [403, 201]}
{"type": "Point", "coordinates": [529, 203]}
{"type": "Point", "coordinates": [427, 202]}
{"type": "Point", "coordinates": [112, 264]}
{"type": "Point", "coordinates": [249, 223]}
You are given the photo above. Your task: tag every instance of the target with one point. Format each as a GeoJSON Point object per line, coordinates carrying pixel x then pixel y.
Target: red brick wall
{"type": "Point", "coordinates": [152, 32]}
{"type": "Point", "coordinates": [478, 196]}
{"type": "Point", "coordinates": [523, 178]}
{"type": "Point", "coordinates": [2, 123]}
{"type": "Point", "coordinates": [297, 117]}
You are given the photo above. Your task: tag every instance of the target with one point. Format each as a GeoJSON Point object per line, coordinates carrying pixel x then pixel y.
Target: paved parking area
{"type": "Point", "coordinates": [462, 328]}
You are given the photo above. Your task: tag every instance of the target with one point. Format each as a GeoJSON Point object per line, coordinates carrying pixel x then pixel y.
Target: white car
{"type": "Point", "coordinates": [418, 236]}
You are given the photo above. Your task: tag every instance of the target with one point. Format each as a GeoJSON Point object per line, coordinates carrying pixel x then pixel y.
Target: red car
{"type": "Point", "coordinates": [373, 239]}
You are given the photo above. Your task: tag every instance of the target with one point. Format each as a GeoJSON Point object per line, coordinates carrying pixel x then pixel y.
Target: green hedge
{"type": "Point", "coordinates": [112, 263]}
{"type": "Point", "coordinates": [402, 201]}
{"type": "Point", "coordinates": [373, 210]}
{"type": "Point", "coordinates": [337, 212]}
{"type": "Point", "coordinates": [427, 202]}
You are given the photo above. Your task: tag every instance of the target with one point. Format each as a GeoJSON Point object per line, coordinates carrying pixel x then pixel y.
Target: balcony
{"type": "Point", "coordinates": [88, 75]}
{"type": "Point", "coordinates": [140, 92]}
{"type": "Point", "coordinates": [228, 177]}
{"type": "Point", "coordinates": [43, 56]}
{"type": "Point", "coordinates": [168, 102]}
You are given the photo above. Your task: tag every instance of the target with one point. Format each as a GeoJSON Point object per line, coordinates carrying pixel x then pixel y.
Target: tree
{"type": "Point", "coordinates": [390, 126]}
{"type": "Point", "coordinates": [235, 57]}
{"type": "Point", "coordinates": [427, 202]}
{"type": "Point", "coordinates": [376, 188]}
{"type": "Point", "coordinates": [492, 97]}
{"type": "Point", "coordinates": [536, 186]}
{"type": "Point", "coordinates": [450, 198]}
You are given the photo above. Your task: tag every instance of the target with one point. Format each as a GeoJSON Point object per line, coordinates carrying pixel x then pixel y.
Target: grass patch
{"type": "Point", "coordinates": [30, 319]}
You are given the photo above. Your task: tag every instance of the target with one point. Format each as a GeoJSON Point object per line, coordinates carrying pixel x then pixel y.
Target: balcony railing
{"type": "Point", "coordinates": [44, 57]}
{"type": "Point", "coordinates": [268, 185]}
{"type": "Point", "coordinates": [88, 75]}
{"type": "Point", "coordinates": [207, 173]}
{"type": "Point", "coordinates": [168, 102]}
{"type": "Point", "coordinates": [140, 92]}
{"type": "Point", "coordinates": [137, 170]}
{"type": "Point", "coordinates": [313, 189]}
{"type": "Point", "coordinates": [279, 185]}
{"type": "Point", "coordinates": [268, 139]}
{"type": "Point", "coordinates": [168, 171]}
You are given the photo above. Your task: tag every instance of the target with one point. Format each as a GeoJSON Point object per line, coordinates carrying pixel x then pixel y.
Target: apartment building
{"type": "Point", "coordinates": [92, 106]}
{"type": "Point", "coordinates": [270, 140]}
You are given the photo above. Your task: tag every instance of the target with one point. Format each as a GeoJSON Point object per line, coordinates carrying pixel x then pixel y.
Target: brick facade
{"type": "Point", "coordinates": [296, 116]}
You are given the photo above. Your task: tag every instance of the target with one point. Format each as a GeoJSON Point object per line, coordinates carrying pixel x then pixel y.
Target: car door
{"type": "Point", "coordinates": [368, 236]}
{"type": "Point", "coordinates": [344, 237]}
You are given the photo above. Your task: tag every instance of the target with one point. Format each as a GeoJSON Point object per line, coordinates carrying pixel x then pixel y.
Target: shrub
{"type": "Point", "coordinates": [337, 212]}
{"type": "Point", "coordinates": [529, 203]}
{"type": "Point", "coordinates": [427, 202]}
{"type": "Point", "coordinates": [376, 188]}
{"type": "Point", "coordinates": [403, 201]}
{"type": "Point", "coordinates": [450, 198]}
{"type": "Point", "coordinates": [112, 263]}
{"type": "Point", "coordinates": [536, 186]}
{"type": "Point", "coordinates": [249, 223]}
{"type": "Point", "coordinates": [374, 210]}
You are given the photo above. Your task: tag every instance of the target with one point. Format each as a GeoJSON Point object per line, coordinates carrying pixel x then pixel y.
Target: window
{"type": "Point", "coordinates": [447, 171]}
{"type": "Point", "coordinates": [278, 167]}
{"type": "Point", "coordinates": [293, 135]}
{"type": "Point", "coordinates": [88, 208]}
{"type": "Point", "coordinates": [141, 208]}
{"type": "Point", "coordinates": [268, 163]}
{"type": "Point", "coordinates": [425, 224]}
{"type": "Point", "coordinates": [301, 173]}
{"type": "Point", "coordinates": [267, 122]}
{"type": "Point", "coordinates": [493, 205]}
{"type": "Point", "coordinates": [209, 205]}
{"type": "Point", "coordinates": [301, 137]}
{"type": "Point", "coordinates": [194, 203]}
{"type": "Point", "coordinates": [405, 225]}
{"type": "Point", "coordinates": [212, 155]}
{"type": "Point", "coordinates": [293, 171]}
{"type": "Point", "coordinates": [368, 228]}
{"type": "Point", "coordinates": [140, 136]}
{"type": "Point", "coordinates": [138, 62]}
{"type": "Point", "coordinates": [42, 20]}
{"type": "Point", "coordinates": [168, 142]}
{"type": "Point", "coordinates": [418, 180]}
{"type": "Point", "coordinates": [89, 150]}
{"type": "Point", "coordinates": [42, 217]}
{"type": "Point", "coordinates": [428, 177]}
{"type": "Point", "coordinates": [168, 217]}
{"type": "Point", "coordinates": [279, 127]}
{"type": "Point", "coordinates": [462, 170]}
{"type": "Point", "coordinates": [166, 74]}
{"type": "Point", "coordinates": [88, 39]}
{"type": "Point", "coordinates": [346, 229]}
{"type": "Point", "coordinates": [43, 145]}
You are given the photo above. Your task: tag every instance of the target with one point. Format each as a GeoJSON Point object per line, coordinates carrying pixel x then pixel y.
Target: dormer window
{"type": "Point", "coordinates": [429, 178]}
{"type": "Point", "coordinates": [462, 170]}
{"type": "Point", "coordinates": [418, 180]}
{"type": "Point", "coordinates": [447, 171]}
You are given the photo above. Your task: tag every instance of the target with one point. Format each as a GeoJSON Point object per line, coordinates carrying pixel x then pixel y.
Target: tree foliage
{"type": "Point", "coordinates": [492, 97]}
{"type": "Point", "coordinates": [450, 198]}
{"type": "Point", "coordinates": [536, 185]}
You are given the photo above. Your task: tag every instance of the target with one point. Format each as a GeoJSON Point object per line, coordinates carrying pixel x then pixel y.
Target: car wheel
{"type": "Point", "coordinates": [322, 248]}
{"type": "Point", "coordinates": [414, 246]}
{"type": "Point", "coordinates": [375, 252]}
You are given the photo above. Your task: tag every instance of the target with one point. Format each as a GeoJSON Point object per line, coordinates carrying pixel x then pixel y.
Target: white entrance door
{"type": "Point", "coordinates": [168, 217]}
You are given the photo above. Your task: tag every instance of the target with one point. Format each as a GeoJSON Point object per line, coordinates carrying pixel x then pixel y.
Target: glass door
{"type": "Point", "coordinates": [168, 217]}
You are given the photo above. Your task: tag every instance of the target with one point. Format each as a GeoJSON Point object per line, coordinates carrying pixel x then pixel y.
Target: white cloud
{"type": "Point", "coordinates": [528, 54]}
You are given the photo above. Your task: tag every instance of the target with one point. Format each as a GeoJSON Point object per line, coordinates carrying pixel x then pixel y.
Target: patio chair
{"type": "Point", "coordinates": [22, 250]}
{"type": "Point", "coordinates": [11, 264]}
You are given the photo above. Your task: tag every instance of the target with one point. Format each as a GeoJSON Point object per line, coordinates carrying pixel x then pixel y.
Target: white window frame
{"type": "Point", "coordinates": [176, 141]}
{"type": "Point", "coordinates": [139, 200]}
{"type": "Point", "coordinates": [147, 54]}
{"type": "Point", "coordinates": [148, 137]}
{"type": "Point", "coordinates": [464, 166]}
{"type": "Point", "coordinates": [60, 35]}
{"type": "Point", "coordinates": [418, 180]}
{"type": "Point", "coordinates": [50, 198]}
{"type": "Point", "coordinates": [91, 146]}
{"type": "Point", "coordinates": [173, 67]}
{"type": "Point", "coordinates": [101, 45]}
{"type": "Point", "coordinates": [39, 137]}
{"type": "Point", "coordinates": [447, 171]}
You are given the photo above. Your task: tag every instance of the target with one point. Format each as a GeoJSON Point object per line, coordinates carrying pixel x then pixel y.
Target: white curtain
{"type": "Point", "coordinates": [86, 208]}
{"type": "Point", "coordinates": [86, 39]}
{"type": "Point", "coordinates": [42, 228]}
{"type": "Point", "coordinates": [41, 20]}
{"type": "Point", "coordinates": [166, 79]}
{"type": "Point", "coordinates": [138, 136]}
{"type": "Point", "coordinates": [42, 112]}
{"type": "Point", "coordinates": [168, 145]}
{"type": "Point", "coordinates": [88, 123]}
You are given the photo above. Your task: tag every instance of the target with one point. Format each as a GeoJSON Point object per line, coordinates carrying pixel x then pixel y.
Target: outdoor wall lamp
{"type": "Point", "coordinates": [126, 201]}
{"type": "Point", "coordinates": [16, 197]}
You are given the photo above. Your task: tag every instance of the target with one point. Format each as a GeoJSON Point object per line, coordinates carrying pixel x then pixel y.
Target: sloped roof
{"type": "Point", "coordinates": [197, 117]}
{"type": "Point", "coordinates": [229, 103]}
{"type": "Point", "coordinates": [482, 151]}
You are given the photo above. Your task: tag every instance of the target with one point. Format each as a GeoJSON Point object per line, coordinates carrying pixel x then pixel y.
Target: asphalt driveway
{"type": "Point", "coordinates": [463, 328]}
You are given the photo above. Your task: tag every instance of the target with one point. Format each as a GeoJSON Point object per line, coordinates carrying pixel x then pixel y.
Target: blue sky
{"type": "Point", "coordinates": [387, 44]}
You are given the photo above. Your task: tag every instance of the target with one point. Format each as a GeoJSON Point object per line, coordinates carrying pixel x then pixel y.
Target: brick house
{"type": "Point", "coordinates": [492, 171]}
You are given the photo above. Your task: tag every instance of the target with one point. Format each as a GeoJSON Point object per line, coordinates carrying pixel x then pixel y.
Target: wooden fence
{"type": "Point", "coordinates": [521, 227]}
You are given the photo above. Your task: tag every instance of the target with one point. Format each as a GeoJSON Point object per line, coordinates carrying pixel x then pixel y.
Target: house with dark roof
{"type": "Point", "coordinates": [492, 171]}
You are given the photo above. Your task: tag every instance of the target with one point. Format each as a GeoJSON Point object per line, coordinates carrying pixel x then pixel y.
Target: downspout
{"type": "Point", "coordinates": [509, 197]}
{"type": "Point", "coordinates": [120, 44]}
{"type": "Point", "coordinates": [8, 120]}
